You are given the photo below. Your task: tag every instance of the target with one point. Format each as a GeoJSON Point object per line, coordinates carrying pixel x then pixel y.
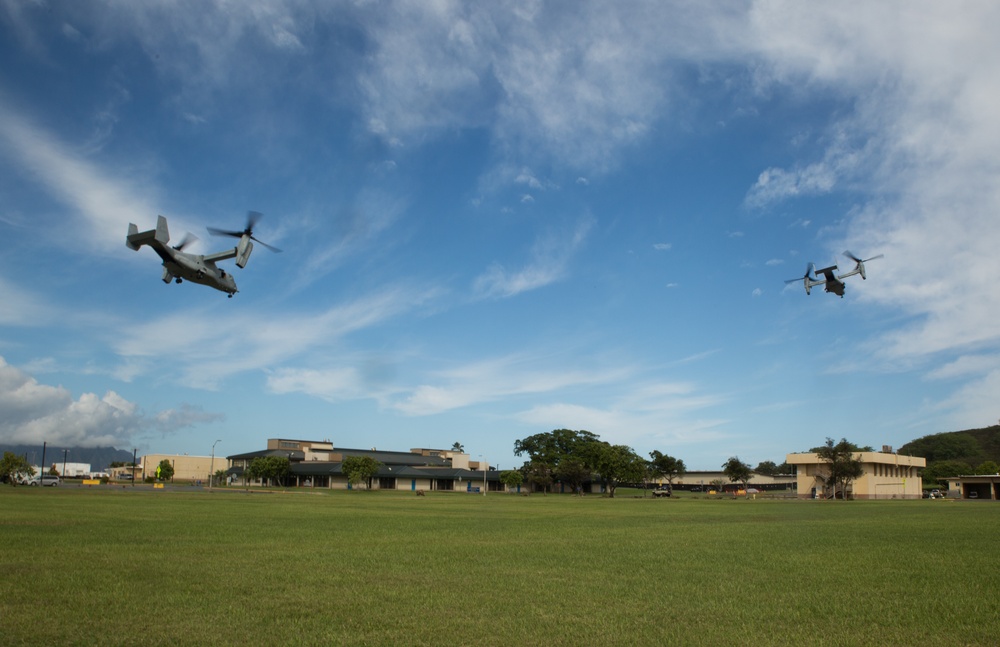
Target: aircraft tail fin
{"type": "Point", "coordinates": [136, 239]}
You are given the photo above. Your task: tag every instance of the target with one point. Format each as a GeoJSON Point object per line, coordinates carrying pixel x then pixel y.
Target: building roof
{"type": "Point", "coordinates": [812, 458]}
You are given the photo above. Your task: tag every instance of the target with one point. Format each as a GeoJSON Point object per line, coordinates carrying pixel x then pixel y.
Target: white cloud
{"type": "Point", "coordinates": [662, 247]}
{"type": "Point", "coordinates": [550, 258]}
{"type": "Point", "coordinates": [106, 204]}
{"type": "Point", "coordinates": [774, 184]}
{"type": "Point", "coordinates": [31, 413]}
{"type": "Point", "coordinates": [203, 355]}
{"type": "Point", "coordinates": [492, 380]}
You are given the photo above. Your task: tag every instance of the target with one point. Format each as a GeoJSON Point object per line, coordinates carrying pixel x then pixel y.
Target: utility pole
{"type": "Point", "coordinates": [65, 451]}
{"type": "Point", "coordinates": [211, 469]}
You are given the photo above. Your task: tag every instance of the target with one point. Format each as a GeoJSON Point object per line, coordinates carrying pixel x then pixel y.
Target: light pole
{"type": "Point", "coordinates": [65, 451]}
{"type": "Point", "coordinates": [211, 469]}
{"type": "Point", "coordinates": [484, 474]}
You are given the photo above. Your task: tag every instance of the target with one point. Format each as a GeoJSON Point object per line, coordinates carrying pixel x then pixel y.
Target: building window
{"type": "Point", "coordinates": [386, 483]}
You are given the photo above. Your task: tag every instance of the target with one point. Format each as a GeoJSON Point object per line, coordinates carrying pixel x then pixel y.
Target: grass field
{"type": "Point", "coordinates": [107, 565]}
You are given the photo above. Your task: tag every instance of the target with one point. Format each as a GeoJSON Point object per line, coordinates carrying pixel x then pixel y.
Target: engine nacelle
{"type": "Point", "coordinates": [243, 251]}
{"type": "Point", "coordinates": [167, 276]}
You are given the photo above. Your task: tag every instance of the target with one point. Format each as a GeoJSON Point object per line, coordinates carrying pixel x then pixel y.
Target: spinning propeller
{"type": "Point", "coordinates": [252, 218]}
{"type": "Point", "coordinates": [186, 241]}
{"type": "Point", "coordinates": [808, 276]}
{"type": "Point", "coordinates": [860, 267]}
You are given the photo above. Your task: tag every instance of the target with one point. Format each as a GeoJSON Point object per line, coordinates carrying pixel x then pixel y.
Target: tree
{"type": "Point", "coordinates": [512, 479]}
{"type": "Point", "coordinates": [360, 469]}
{"type": "Point", "coordinates": [842, 464]}
{"type": "Point", "coordinates": [766, 468]}
{"type": "Point", "coordinates": [13, 467]}
{"type": "Point", "coordinates": [165, 470]}
{"type": "Point", "coordinates": [988, 467]}
{"type": "Point", "coordinates": [554, 446]}
{"type": "Point", "coordinates": [268, 468]}
{"type": "Point", "coordinates": [573, 472]}
{"type": "Point", "coordinates": [940, 471]}
{"type": "Point", "coordinates": [458, 447]}
{"type": "Point", "coordinates": [539, 475]}
{"type": "Point", "coordinates": [220, 477]}
{"type": "Point", "coordinates": [737, 471]}
{"type": "Point", "coordinates": [617, 464]}
{"type": "Point", "coordinates": [666, 466]}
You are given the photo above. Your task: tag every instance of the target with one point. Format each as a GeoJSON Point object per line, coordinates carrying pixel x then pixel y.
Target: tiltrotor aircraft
{"type": "Point", "coordinates": [197, 268]}
{"type": "Point", "coordinates": [831, 281]}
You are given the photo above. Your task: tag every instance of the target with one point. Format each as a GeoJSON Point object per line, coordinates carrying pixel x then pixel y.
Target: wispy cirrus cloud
{"type": "Point", "coordinates": [204, 355]}
{"type": "Point", "coordinates": [549, 262]}
{"type": "Point", "coordinates": [104, 203]}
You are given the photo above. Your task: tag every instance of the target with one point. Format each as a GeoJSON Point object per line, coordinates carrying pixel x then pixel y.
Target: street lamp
{"type": "Point", "coordinates": [211, 469]}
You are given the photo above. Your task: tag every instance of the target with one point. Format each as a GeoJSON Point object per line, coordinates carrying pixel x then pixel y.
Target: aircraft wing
{"type": "Point", "coordinates": [828, 273]}
{"type": "Point", "coordinates": [220, 256]}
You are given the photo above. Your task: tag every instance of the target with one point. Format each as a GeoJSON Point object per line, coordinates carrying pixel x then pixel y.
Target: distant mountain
{"type": "Point", "coordinates": [956, 453]}
{"type": "Point", "coordinates": [98, 457]}
{"type": "Point", "coordinates": [972, 446]}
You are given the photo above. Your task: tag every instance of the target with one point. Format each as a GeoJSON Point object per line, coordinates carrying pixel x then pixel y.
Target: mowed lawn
{"type": "Point", "coordinates": [113, 565]}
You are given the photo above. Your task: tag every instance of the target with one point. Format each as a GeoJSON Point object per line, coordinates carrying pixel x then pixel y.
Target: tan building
{"type": "Point", "coordinates": [702, 481]}
{"type": "Point", "coordinates": [885, 476]}
{"type": "Point", "coordinates": [981, 486]}
{"type": "Point", "coordinates": [186, 468]}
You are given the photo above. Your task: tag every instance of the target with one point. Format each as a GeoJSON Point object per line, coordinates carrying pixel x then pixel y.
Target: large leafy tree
{"type": "Point", "coordinates": [766, 468]}
{"type": "Point", "coordinates": [12, 465]}
{"type": "Point", "coordinates": [940, 471]}
{"type": "Point", "coordinates": [555, 446]}
{"type": "Point", "coordinates": [988, 467]}
{"type": "Point", "coordinates": [539, 475]}
{"type": "Point", "coordinates": [617, 464]}
{"type": "Point", "coordinates": [666, 466]}
{"type": "Point", "coordinates": [843, 464]}
{"type": "Point", "coordinates": [268, 468]}
{"type": "Point", "coordinates": [573, 472]}
{"type": "Point", "coordinates": [359, 469]}
{"type": "Point", "coordinates": [737, 471]}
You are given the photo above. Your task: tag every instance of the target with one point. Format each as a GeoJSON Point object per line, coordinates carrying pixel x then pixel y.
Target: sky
{"type": "Point", "coordinates": [499, 219]}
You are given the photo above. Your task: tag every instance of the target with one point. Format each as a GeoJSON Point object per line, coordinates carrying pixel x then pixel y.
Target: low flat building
{"type": "Point", "coordinates": [884, 476]}
{"type": "Point", "coordinates": [186, 468]}
{"type": "Point", "coordinates": [318, 464]}
{"type": "Point", "coordinates": [978, 486]}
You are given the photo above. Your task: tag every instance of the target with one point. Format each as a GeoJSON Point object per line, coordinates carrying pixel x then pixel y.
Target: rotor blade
{"type": "Point", "coordinates": [851, 256]}
{"type": "Point", "coordinates": [224, 232]}
{"type": "Point", "coordinates": [252, 218]}
{"type": "Point", "coordinates": [874, 257]}
{"type": "Point", "coordinates": [187, 240]}
{"type": "Point", "coordinates": [270, 247]}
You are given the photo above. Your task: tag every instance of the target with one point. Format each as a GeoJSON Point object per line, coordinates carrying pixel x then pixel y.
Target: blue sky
{"type": "Point", "coordinates": [500, 219]}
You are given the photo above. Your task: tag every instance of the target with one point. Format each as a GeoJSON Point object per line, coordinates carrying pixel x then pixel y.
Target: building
{"type": "Point", "coordinates": [186, 468]}
{"type": "Point", "coordinates": [885, 475]}
{"type": "Point", "coordinates": [980, 486]}
{"type": "Point", "coordinates": [318, 464]}
{"type": "Point", "coordinates": [702, 481]}
{"type": "Point", "coordinates": [70, 470]}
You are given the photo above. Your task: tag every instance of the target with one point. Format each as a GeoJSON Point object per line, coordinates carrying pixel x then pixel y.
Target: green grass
{"type": "Point", "coordinates": [183, 566]}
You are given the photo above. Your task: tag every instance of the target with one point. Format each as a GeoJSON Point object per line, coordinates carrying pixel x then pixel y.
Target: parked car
{"type": "Point", "coordinates": [662, 491]}
{"type": "Point", "coordinates": [46, 480]}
